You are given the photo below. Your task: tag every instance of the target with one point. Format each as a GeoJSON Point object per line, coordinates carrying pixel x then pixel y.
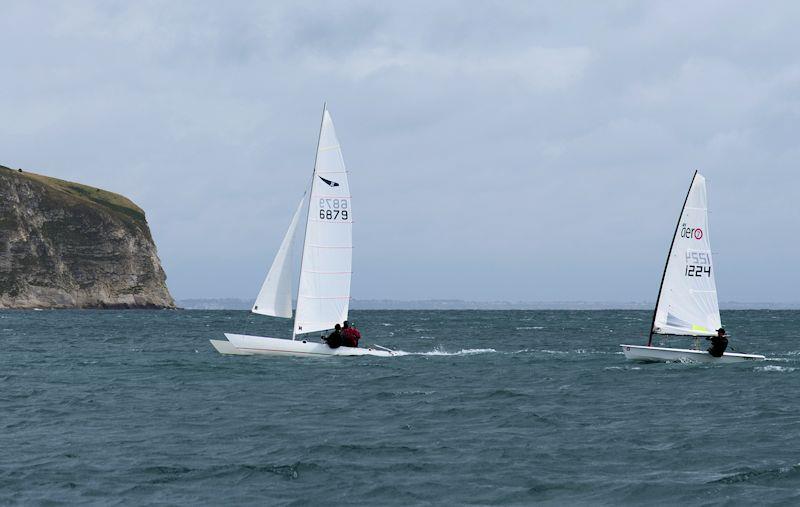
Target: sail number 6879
{"type": "Point", "coordinates": [333, 209]}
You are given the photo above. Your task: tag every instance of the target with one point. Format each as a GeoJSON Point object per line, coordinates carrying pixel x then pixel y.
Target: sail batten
{"type": "Point", "coordinates": [687, 303]}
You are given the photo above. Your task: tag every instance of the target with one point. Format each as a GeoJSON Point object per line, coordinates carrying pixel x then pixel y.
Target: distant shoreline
{"type": "Point", "coordinates": [455, 304]}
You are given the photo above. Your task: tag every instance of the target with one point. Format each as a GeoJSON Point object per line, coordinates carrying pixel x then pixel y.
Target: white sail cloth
{"type": "Point", "coordinates": [275, 297]}
{"type": "Point", "coordinates": [324, 293]}
{"type": "Point", "coordinates": [323, 297]}
{"type": "Point", "coordinates": [688, 301]}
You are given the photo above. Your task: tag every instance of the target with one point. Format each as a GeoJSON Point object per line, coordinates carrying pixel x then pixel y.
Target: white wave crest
{"type": "Point", "coordinates": [463, 352]}
{"type": "Point", "coordinates": [774, 367]}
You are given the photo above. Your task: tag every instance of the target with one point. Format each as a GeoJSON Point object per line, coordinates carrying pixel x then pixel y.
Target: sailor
{"type": "Point", "coordinates": [334, 340]}
{"type": "Point", "coordinates": [350, 335]}
{"type": "Point", "coordinates": [718, 343]}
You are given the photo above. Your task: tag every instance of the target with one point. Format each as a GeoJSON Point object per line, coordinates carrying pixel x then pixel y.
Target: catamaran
{"type": "Point", "coordinates": [687, 298]}
{"type": "Point", "coordinates": [323, 295]}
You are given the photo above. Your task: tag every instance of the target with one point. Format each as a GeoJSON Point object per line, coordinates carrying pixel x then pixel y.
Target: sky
{"type": "Point", "coordinates": [518, 151]}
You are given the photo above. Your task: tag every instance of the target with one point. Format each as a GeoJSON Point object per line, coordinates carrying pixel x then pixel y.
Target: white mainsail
{"type": "Point", "coordinates": [687, 303]}
{"type": "Point", "coordinates": [275, 297]}
{"type": "Point", "coordinates": [323, 297]}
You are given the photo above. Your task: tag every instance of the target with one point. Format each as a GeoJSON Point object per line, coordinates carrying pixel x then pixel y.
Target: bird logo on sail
{"type": "Point", "coordinates": [329, 182]}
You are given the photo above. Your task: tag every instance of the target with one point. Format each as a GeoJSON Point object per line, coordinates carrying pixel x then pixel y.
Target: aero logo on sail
{"type": "Point", "coordinates": [691, 232]}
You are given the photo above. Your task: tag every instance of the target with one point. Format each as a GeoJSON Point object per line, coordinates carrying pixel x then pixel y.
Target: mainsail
{"type": "Point", "coordinates": [323, 297]}
{"type": "Point", "coordinates": [687, 303]}
{"type": "Point", "coordinates": [275, 298]}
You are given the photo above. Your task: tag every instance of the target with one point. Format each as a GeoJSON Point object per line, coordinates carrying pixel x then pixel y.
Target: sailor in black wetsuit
{"type": "Point", "coordinates": [718, 343]}
{"type": "Point", "coordinates": [334, 340]}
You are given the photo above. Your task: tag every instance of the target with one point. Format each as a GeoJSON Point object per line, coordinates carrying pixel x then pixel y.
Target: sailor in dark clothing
{"type": "Point", "coordinates": [334, 340]}
{"type": "Point", "coordinates": [718, 343]}
{"type": "Point", "coordinates": [350, 335]}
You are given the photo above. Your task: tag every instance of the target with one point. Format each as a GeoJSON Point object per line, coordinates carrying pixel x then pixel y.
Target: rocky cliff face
{"type": "Point", "coordinates": [67, 245]}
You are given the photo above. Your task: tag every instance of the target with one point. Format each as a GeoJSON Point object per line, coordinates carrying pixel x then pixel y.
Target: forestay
{"type": "Point", "coordinates": [324, 292]}
{"type": "Point", "coordinates": [687, 303]}
{"type": "Point", "coordinates": [275, 297]}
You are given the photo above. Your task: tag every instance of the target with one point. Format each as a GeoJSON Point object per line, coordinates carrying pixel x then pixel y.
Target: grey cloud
{"type": "Point", "coordinates": [498, 150]}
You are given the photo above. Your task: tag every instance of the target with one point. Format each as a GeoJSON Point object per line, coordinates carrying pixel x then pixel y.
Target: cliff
{"type": "Point", "coordinates": [67, 245]}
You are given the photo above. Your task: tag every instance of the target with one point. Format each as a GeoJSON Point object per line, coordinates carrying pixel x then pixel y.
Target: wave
{"type": "Point", "coordinates": [774, 367]}
{"type": "Point", "coordinates": [466, 352]}
{"type": "Point", "coordinates": [440, 352]}
{"type": "Point", "coordinates": [575, 351]}
{"type": "Point", "coordinates": [760, 475]}
{"type": "Point", "coordinates": [169, 473]}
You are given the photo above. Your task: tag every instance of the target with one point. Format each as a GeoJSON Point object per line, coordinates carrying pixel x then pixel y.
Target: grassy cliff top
{"type": "Point", "coordinates": [115, 203]}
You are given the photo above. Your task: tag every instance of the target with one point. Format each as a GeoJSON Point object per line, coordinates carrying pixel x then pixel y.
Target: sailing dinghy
{"type": "Point", "coordinates": [323, 297]}
{"type": "Point", "coordinates": [687, 299]}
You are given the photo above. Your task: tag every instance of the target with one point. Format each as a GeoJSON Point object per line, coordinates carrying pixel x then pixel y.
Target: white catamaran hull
{"type": "Point", "coordinates": [662, 354]}
{"type": "Point", "coordinates": [241, 344]}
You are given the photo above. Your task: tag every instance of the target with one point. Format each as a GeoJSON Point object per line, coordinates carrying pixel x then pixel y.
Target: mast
{"type": "Point", "coordinates": [669, 254]}
{"type": "Point", "coordinates": [308, 208]}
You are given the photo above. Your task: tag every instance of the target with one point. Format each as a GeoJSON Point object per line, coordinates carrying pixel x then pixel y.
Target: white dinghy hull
{"type": "Point", "coordinates": [664, 354]}
{"type": "Point", "coordinates": [241, 344]}
{"type": "Point", "coordinates": [227, 348]}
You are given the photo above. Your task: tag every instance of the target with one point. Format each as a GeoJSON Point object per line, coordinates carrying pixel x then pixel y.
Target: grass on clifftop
{"type": "Point", "coordinates": [109, 200]}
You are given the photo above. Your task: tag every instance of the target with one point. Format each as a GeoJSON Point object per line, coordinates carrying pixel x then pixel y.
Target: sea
{"type": "Point", "coordinates": [487, 408]}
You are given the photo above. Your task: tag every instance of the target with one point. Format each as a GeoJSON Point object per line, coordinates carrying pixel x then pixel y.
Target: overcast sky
{"type": "Point", "coordinates": [532, 151]}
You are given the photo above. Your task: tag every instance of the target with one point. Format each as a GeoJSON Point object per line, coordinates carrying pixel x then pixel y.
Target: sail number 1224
{"type": "Point", "coordinates": [698, 263]}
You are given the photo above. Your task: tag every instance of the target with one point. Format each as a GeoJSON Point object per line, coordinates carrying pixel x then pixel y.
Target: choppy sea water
{"type": "Point", "coordinates": [493, 407]}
